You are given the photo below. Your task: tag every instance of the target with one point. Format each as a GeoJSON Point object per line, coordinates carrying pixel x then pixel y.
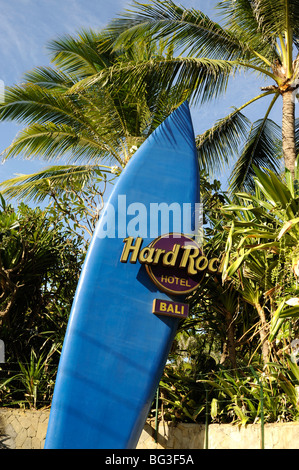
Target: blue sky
{"type": "Point", "coordinates": [26, 28]}
{"type": "Point", "coordinates": [28, 25]}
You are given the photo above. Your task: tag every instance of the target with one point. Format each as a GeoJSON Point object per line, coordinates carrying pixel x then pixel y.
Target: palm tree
{"type": "Point", "coordinates": [259, 36]}
{"type": "Point", "coordinates": [96, 129]}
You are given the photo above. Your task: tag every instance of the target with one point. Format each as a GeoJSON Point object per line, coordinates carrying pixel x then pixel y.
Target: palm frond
{"type": "Point", "coordinates": [261, 151]}
{"type": "Point", "coordinates": [218, 144]}
{"type": "Point", "coordinates": [49, 78]}
{"type": "Point", "coordinates": [271, 17]}
{"type": "Point", "coordinates": [189, 30]}
{"type": "Point", "coordinates": [32, 103]}
{"type": "Point", "coordinates": [87, 125]}
{"type": "Point", "coordinates": [39, 185]}
{"type": "Point", "coordinates": [79, 56]}
{"type": "Point", "coordinates": [203, 78]}
{"type": "Point", "coordinates": [247, 19]}
{"type": "Point", "coordinates": [162, 103]}
{"type": "Point", "coordinates": [51, 142]}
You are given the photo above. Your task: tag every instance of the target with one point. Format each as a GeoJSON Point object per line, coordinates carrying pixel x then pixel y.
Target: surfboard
{"type": "Point", "coordinates": [115, 347]}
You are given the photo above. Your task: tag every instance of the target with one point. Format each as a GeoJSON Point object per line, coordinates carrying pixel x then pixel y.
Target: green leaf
{"type": "Point", "coordinates": [291, 312]}
{"type": "Point", "coordinates": [215, 146]}
{"type": "Point", "coordinates": [276, 192]}
{"type": "Point", "coordinates": [260, 151]}
{"type": "Point", "coordinates": [39, 185]}
{"type": "Point", "coordinates": [287, 226]}
{"type": "Point", "coordinates": [276, 321]}
{"type": "Point", "coordinates": [294, 369]}
{"type": "Point", "coordinates": [214, 408]}
{"type": "Point", "coordinates": [194, 31]}
{"type": "Point", "coordinates": [236, 264]}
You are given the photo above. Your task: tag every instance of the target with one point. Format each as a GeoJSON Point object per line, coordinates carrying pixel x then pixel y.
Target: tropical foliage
{"type": "Point", "coordinates": [253, 36]}
{"type": "Point", "coordinates": [104, 95]}
{"type": "Point", "coordinates": [137, 70]}
{"type": "Point", "coordinates": [237, 343]}
{"type": "Point", "coordinates": [262, 254]}
{"type": "Point", "coordinates": [95, 129]}
{"type": "Point", "coordinates": [39, 268]}
{"type": "Point", "coordinates": [222, 339]}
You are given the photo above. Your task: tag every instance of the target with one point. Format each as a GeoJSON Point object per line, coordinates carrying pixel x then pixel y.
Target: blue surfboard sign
{"type": "Point", "coordinates": [116, 345]}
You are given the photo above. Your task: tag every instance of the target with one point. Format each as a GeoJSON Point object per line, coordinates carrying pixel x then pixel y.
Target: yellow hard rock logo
{"type": "Point", "coordinates": [186, 257]}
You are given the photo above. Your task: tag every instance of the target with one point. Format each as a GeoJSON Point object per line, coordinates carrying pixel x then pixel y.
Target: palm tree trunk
{"type": "Point", "coordinates": [229, 351]}
{"type": "Point", "coordinates": [263, 334]}
{"type": "Point", "coordinates": [288, 131]}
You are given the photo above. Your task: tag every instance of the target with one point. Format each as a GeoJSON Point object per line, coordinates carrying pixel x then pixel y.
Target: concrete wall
{"type": "Point", "coordinates": [27, 430]}
{"type": "Point", "coordinates": [22, 429]}
{"type": "Point", "coordinates": [220, 436]}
